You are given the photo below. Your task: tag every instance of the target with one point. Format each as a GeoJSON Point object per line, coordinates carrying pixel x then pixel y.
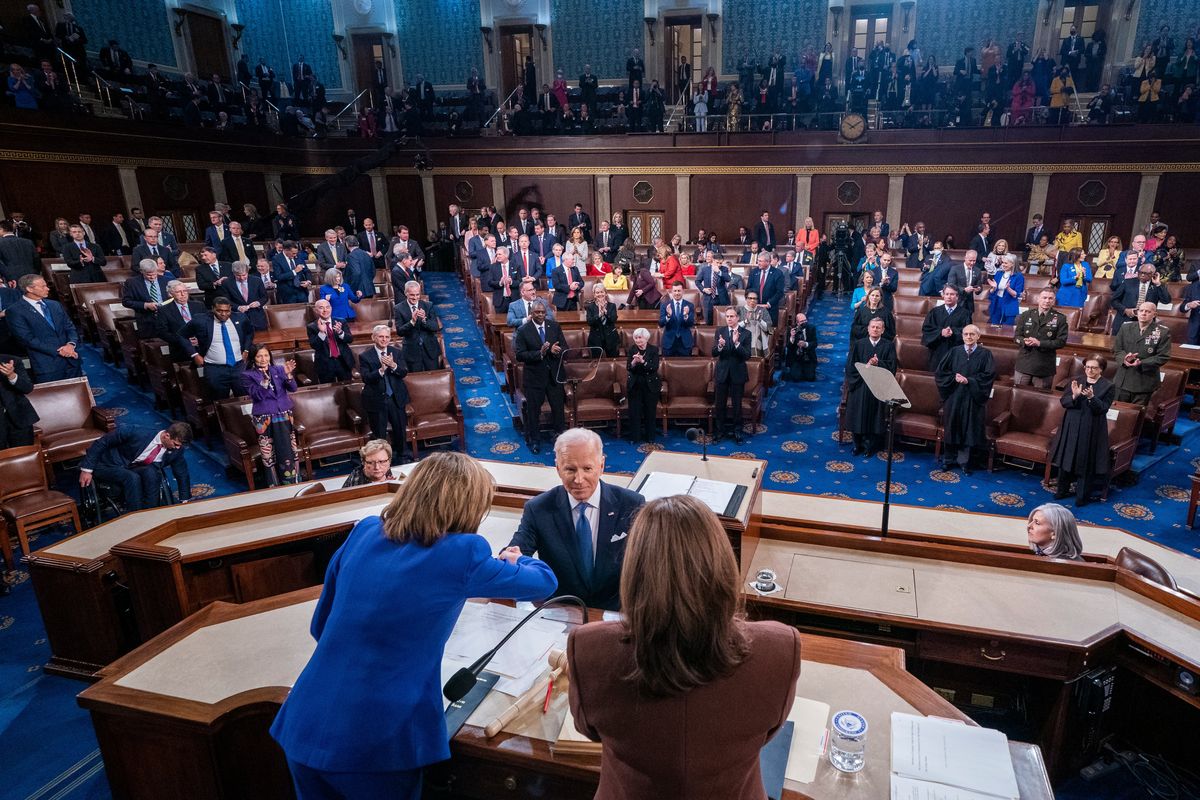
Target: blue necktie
{"type": "Point", "coordinates": [46, 314]}
{"type": "Point", "coordinates": [230, 360]}
{"type": "Point", "coordinates": [583, 532]}
{"type": "Point", "coordinates": [542, 334]}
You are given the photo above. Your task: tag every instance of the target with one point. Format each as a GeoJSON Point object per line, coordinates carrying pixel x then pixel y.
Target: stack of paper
{"type": "Point", "coordinates": [572, 742]}
{"type": "Point", "coordinates": [937, 759]}
{"type": "Point", "coordinates": [717, 495]}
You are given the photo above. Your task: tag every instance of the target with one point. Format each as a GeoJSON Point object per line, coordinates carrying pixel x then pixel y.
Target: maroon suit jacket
{"type": "Point", "coordinates": [701, 744]}
{"type": "Point", "coordinates": [644, 280]}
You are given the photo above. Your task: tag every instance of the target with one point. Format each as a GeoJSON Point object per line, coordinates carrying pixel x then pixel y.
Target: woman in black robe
{"type": "Point", "coordinates": [1080, 451]}
{"type": "Point", "coordinates": [602, 324]}
{"type": "Point", "coordinates": [800, 351]}
{"type": "Point", "coordinates": [642, 386]}
{"type": "Point", "coordinates": [869, 309]}
{"type": "Point", "coordinates": [865, 417]}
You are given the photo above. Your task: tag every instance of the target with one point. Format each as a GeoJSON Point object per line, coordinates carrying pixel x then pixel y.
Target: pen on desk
{"type": "Point", "coordinates": [549, 694]}
{"type": "Point", "coordinates": [755, 473]}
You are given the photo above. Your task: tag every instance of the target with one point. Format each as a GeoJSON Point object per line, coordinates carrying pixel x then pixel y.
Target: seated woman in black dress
{"type": "Point", "coordinates": [602, 323]}
{"type": "Point", "coordinates": [1080, 451]}
{"type": "Point", "coordinates": [1053, 532]}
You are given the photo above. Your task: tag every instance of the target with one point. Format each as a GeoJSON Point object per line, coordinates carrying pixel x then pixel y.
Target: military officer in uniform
{"type": "Point", "coordinates": [1039, 333]}
{"type": "Point", "coordinates": [1141, 350]}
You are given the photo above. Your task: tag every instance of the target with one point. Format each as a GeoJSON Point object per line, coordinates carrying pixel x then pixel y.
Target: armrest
{"type": "Point", "coordinates": [408, 409]}
{"type": "Point", "coordinates": [356, 420]}
{"type": "Point", "coordinates": [103, 419]}
{"type": "Point", "coordinates": [298, 427]}
{"type": "Point", "coordinates": [663, 393]}
{"type": "Point", "coordinates": [1002, 422]}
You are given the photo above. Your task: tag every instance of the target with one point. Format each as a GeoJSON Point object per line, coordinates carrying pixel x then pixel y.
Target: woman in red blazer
{"type": "Point", "coordinates": [808, 238]}
{"type": "Point", "coordinates": [669, 268]}
{"type": "Point", "coordinates": [684, 692]}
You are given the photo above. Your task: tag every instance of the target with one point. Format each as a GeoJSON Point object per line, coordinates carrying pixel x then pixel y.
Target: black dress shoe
{"type": "Point", "coordinates": [535, 447]}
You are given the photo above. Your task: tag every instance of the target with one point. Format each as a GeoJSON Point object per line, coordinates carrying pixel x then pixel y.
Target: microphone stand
{"type": "Point", "coordinates": [892, 405]}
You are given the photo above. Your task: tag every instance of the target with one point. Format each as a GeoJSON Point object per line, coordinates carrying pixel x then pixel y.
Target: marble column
{"type": "Point", "coordinates": [431, 212]}
{"type": "Point", "coordinates": [895, 201]}
{"type": "Point", "coordinates": [216, 179]}
{"type": "Point", "coordinates": [803, 201]}
{"type": "Point", "coordinates": [603, 209]}
{"type": "Point", "coordinates": [129, 188]}
{"type": "Point", "coordinates": [1147, 195]}
{"type": "Point", "coordinates": [383, 211]}
{"type": "Point", "coordinates": [683, 209]}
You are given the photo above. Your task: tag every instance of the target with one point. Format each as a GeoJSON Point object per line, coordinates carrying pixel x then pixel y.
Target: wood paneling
{"type": "Point", "coordinates": [445, 192]}
{"type": "Point", "coordinates": [247, 187]}
{"type": "Point", "coordinates": [1120, 199]}
{"type": "Point", "coordinates": [43, 192]}
{"type": "Point", "coordinates": [407, 203]}
{"type": "Point", "coordinates": [951, 204]}
{"type": "Point", "coordinates": [166, 189]}
{"type": "Point", "coordinates": [328, 206]}
{"type": "Point", "coordinates": [723, 202]}
{"type": "Point", "coordinates": [554, 195]}
{"type": "Point", "coordinates": [873, 196]}
{"type": "Point", "coordinates": [1176, 205]}
{"type": "Point", "coordinates": [622, 199]}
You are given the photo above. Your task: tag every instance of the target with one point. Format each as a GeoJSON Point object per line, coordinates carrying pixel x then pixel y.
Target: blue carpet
{"type": "Point", "coordinates": [47, 741]}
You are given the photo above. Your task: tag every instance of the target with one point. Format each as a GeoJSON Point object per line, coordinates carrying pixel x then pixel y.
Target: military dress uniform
{"type": "Point", "coordinates": [1037, 365]}
{"type": "Point", "coordinates": [1152, 345]}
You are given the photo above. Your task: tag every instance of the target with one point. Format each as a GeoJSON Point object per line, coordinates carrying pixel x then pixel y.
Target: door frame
{"type": "Point", "coordinates": [391, 61]}
{"type": "Point", "coordinates": [515, 28]}
{"type": "Point", "coordinates": [185, 52]}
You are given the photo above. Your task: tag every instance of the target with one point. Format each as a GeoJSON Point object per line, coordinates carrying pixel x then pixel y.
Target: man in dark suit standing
{"type": "Point", "coordinates": [1035, 232]}
{"type": "Point", "coordinates": [302, 80]}
{"type": "Point", "coordinates": [223, 341]}
{"type": "Point", "coordinates": [764, 232]}
{"type": "Point", "coordinates": [360, 270]}
{"type": "Point", "coordinates": [580, 528]}
{"type": "Point", "coordinates": [114, 238]}
{"type": "Point", "coordinates": [266, 79]}
{"type": "Point", "coordinates": [236, 246]}
{"type": "Point", "coordinates": [247, 294]}
{"type": "Point", "coordinates": [211, 274]}
{"type": "Point", "coordinates": [731, 350]}
{"type": "Point", "coordinates": [116, 62]}
{"type": "Point", "coordinates": [17, 256]}
{"type": "Point", "coordinates": [417, 324]}
{"type": "Point", "coordinates": [174, 314]}
{"type": "Point", "coordinates": [1129, 295]}
{"type": "Point", "coordinates": [217, 230]}
{"type": "Point", "coordinates": [291, 274]}
{"type": "Point", "coordinates": [135, 458]}
{"type": "Point", "coordinates": [1070, 53]}
{"type": "Point", "coordinates": [154, 250]}
{"type": "Point", "coordinates": [17, 416]}
{"type": "Point", "coordinates": [769, 283]}
{"type": "Point", "coordinates": [501, 280]}
{"type": "Point", "coordinates": [567, 282]}
{"type": "Point", "coordinates": [917, 244]}
{"type": "Point", "coordinates": [942, 330]}
{"type": "Point", "coordinates": [384, 393]}
{"type": "Point", "coordinates": [580, 219]}
{"type": "Point", "coordinates": [84, 257]}
{"type": "Point", "coordinates": [45, 330]}
{"type": "Point", "coordinates": [968, 279]}
{"type": "Point", "coordinates": [331, 253]}
{"type": "Point", "coordinates": [372, 243]}
{"type": "Point", "coordinates": [39, 36]}
{"type": "Point", "coordinates": [144, 296]}
{"type": "Point", "coordinates": [330, 340]}
{"type": "Point", "coordinates": [677, 318]}
{"type": "Point", "coordinates": [982, 241]}
{"type": "Point", "coordinates": [540, 345]}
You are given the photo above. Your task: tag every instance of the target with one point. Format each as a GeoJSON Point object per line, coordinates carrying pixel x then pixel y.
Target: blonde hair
{"type": "Point", "coordinates": [680, 597]}
{"type": "Point", "coordinates": [446, 492]}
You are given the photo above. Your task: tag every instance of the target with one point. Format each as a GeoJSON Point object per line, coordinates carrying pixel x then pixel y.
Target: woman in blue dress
{"type": "Point", "coordinates": [338, 295]}
{"type": "Point", "coordinates": [366, 713]}
{"type": "Point", "coordinates": [1073, 279]}
{"type": "Point", "coordinates": [1008, 287]}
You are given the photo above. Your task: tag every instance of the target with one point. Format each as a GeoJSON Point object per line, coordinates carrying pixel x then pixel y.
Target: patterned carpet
{"type": "Point", "coordinates": [47, 741]}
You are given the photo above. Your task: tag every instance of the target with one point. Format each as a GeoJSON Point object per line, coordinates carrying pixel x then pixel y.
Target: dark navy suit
{"type": "Point", "coordinates": [42, 337]}
{"type": "Point", "coordinates": [360, 272]}
{"type": "Point", "coordinates": [677, 337]}
{"type": "Point", "coordinates": [321, 724]}
{"type": "Point", "coordinates": [548, 528]}
{"type": "Point", "coordinates": [135, 294]}
{"type": "Point", "coordinates": [111, 459]}
{"type": "Point", "coordinates": [256, 290]}
{"type": "Point", "coordinates": [772, 293]}
{"type": "Point", "coordinates": [287, 280]}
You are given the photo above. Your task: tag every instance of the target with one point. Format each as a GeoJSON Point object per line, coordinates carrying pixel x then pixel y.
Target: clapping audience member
{"type": "Point", "coordinates": [1080, 449]}
{"type": "Point", "coordinates": [603, 336]}
{"type": "Point", "coordinates": [642, 386]}
{"type": "Point", "coordinates": [1008, 288]}
{"type": "Point", "coordinates": [268, 386]}
{"type": "Point", "coordinates": [964, 379]}
{"type": "Point", "coordinates": [1073, 279]}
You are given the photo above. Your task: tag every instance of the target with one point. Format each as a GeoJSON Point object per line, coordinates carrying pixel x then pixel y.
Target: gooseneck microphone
{"type": "Point", "coordinates": [463, 681]}
{"type": "Point", "coordinates": [696, 435]}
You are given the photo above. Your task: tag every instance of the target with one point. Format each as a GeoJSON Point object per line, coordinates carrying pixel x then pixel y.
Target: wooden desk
{"type": "Point", "coordinates": [187, 714]}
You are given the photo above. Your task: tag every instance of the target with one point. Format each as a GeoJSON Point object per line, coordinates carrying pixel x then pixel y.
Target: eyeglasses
{"type": "Point", "coordinates": [383, 462]}
{"type": "Point", "coordinates": [1091, 366]}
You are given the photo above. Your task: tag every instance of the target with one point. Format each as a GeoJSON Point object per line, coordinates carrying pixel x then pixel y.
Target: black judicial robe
{"type": "Point", "coordinates": [865, 414]}
{"type": "Point", "coordinates": [931, 332]}
{"type": "Point", "coordinates": [862, 318]}
{"type": "Point", "coordinates": [1081, 446]}
{"type": "Point", "coordinates": [965, 404]}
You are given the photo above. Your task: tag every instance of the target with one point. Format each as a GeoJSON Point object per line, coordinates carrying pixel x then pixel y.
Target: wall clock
{"type": "Point", "coordinates": [853, 127]}
{"type": "Point", "coordinates": [364, 6]}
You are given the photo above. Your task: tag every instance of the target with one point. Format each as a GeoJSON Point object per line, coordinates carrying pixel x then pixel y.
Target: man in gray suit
{"type": "Point", "coordinates": [331, 253]}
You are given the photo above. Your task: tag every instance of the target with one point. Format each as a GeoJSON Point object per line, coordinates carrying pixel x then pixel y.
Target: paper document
{"type": "Point", "coordinates": [808, 739]}
{"type": "Point", "coordinates": [909, 789]}
{"type": "Point", "coordinates": [480, 627]}
{"type": "Point", "coordinates": [958, 756]}
{"type": "Point", "coordinates": [714, 494]}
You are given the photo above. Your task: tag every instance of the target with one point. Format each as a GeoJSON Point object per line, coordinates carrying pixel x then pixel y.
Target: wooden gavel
{"type": "Point", "coordinates": [558, 664]}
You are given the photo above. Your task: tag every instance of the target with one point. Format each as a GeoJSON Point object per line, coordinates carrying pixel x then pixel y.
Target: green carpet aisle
{"type": "Point", "coordinates": [49, 750]}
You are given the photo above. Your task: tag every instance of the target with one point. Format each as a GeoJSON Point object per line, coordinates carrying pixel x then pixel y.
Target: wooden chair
{"type": "Point", "coordinates": [239, 437]}
{"type": "Point", "coordinates": [1123, 434]}
{"type": "Point", "coordinates": [159, 367]}
{"type": "Point", "coordinates": [1163, 409]}
{"type": "Point", "coordinates": [26, 500]}
{"type": "Point", "coordinates": [922, 421]}
{"type": "Point", "coordinates": [1145, 567]}
{"type": "Point", "coordinates": [754, 398]}
{"type": "Point", "coordinates": [373, 309]}
{"type": "Point", "coordinates": [1026, 430]}
{"type": "Point", "coordinates": [433, 409]}
{"type": "Point", "coordinates": [68, 420]}
{"type": "Point", "coordinates": [196, 397]}
{"type": "Point", "coordinates": [598, 399]}
{"type": "Point", "coordinates": [288, 315]}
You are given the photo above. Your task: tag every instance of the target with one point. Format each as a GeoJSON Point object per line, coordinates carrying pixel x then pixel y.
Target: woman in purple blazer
{"type": "Point", "coordinates": [707, 688]}
{"type": "Point", "coordinates": [366, 715]}
{"type": "Point", "coordinates": [268, 386]}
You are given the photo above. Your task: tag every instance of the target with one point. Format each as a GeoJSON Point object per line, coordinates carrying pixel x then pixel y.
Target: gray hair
{"type": "Point", "coordinates": [580, 436]}
{"type": "Point", "coordinates": [1066, 543]}
{"type": "Point", "coordinates": [500, 250]}
{"type": "Point", "coordinates": [971, 252]}
{"type": "Point", "coordinates": [241, 267]}
{"type": "Point", "coordinates": [410, 284]}
{"type": "Point", "coordinates": [331, 275]}
{"type": "Point", "coordinates": [373, 446]}
{"type": "Point", "coordinates": [147, 265]}
{"type": "Point", "coordinates": [1011, 258]}
{"type": "Point", "coordinates": [381, 326]}
{"type": "Point", "coordinates": [642, 332]}
{"type": "Point", "coordinates": [173, 285]}
{"type": "Point", "coordinates": [541, 301]}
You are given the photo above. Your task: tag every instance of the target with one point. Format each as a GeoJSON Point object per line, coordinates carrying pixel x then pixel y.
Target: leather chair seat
{"type": "Point", "coordinates": [425, 424]}
{"type": "Point", "coordinates": [687, 406]}
{"type": "Point", "coordinates": [327, 439]}
{"type": "Point", "coordinates": [35, 503]}
{"type": "Point", "coordinates": [1028, 446]}
{"type": "Point", "coordinates": [921, 426]}
{"type": "Point", "coordinates": [597, 405]}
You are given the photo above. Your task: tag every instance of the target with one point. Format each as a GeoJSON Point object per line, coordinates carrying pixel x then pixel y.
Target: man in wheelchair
{"type": "Point", "coordinates": [134, 461]}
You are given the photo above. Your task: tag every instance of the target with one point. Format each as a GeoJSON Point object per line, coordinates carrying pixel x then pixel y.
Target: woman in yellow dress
{"type": "Point", "coordinates": [1106, 260]}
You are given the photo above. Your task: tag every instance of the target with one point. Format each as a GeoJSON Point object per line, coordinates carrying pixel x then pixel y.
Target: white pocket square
{"type": "Point", "coordinates": [618, 536]}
